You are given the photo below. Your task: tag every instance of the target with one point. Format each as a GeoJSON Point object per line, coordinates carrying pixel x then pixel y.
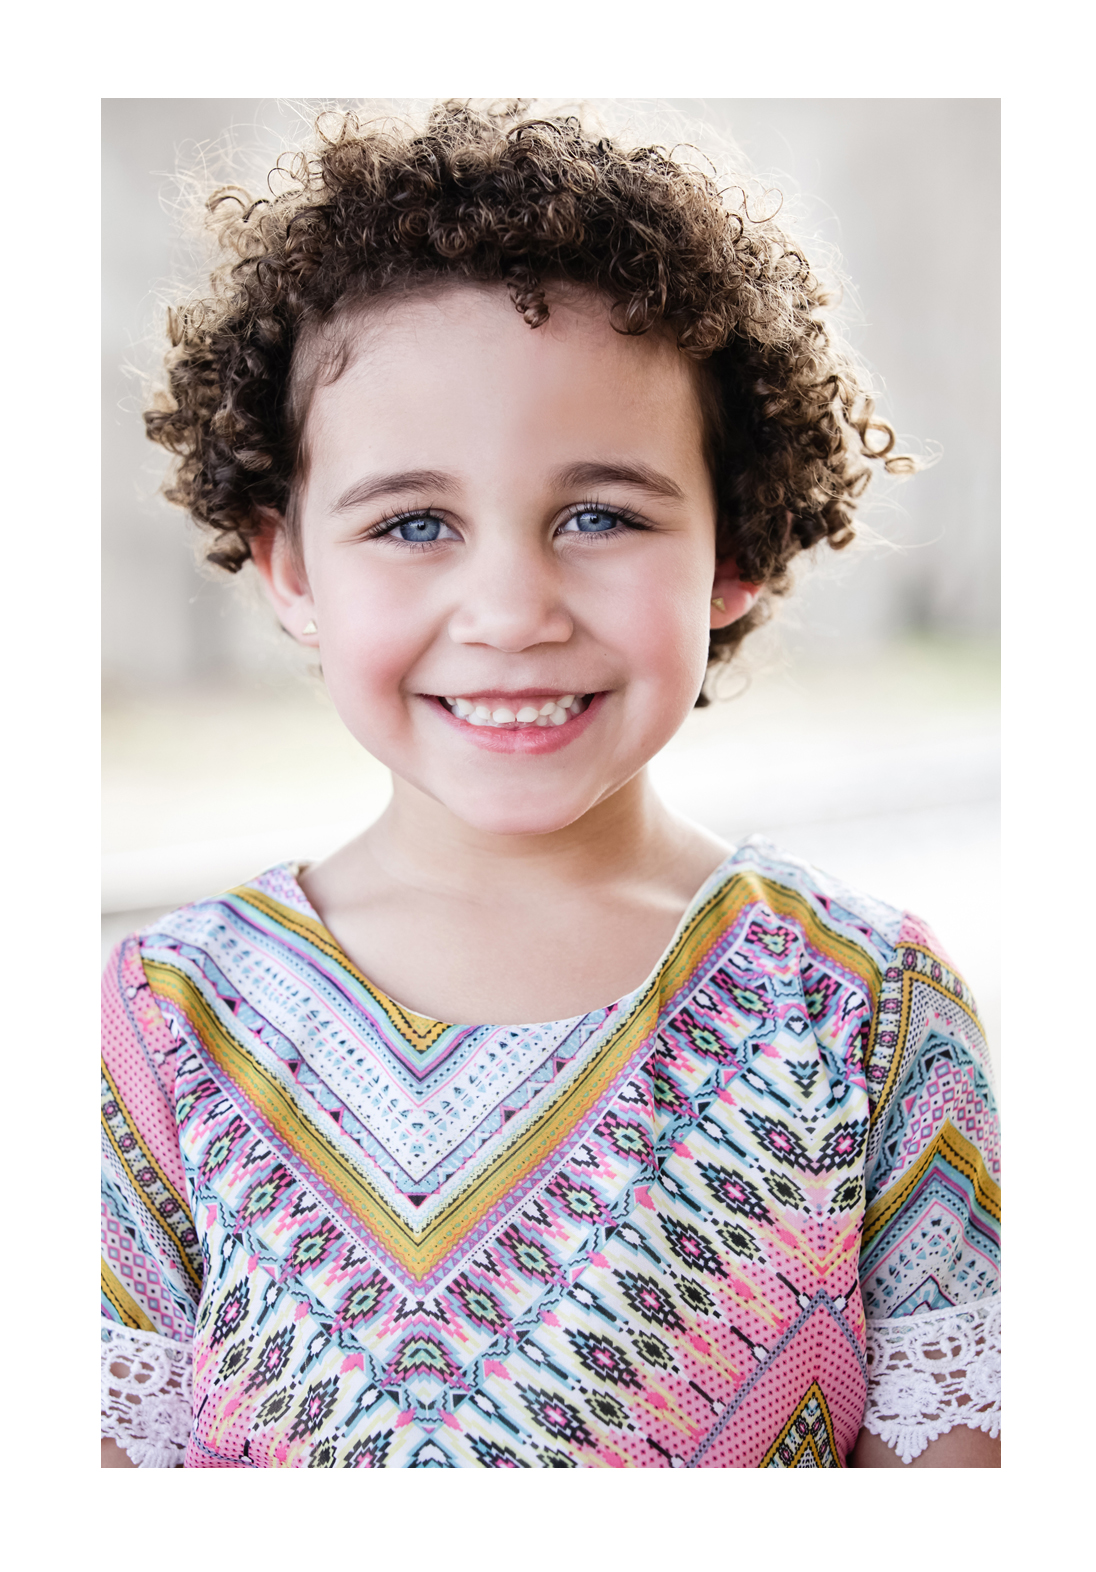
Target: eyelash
{"type": "Point", "coordinates": [385, 526]}
{"type": "Point", "coordinates": [624, 516]}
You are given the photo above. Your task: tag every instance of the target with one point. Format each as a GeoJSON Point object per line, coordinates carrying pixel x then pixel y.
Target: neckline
{"type": "Point", "coordinates": [717, 876]}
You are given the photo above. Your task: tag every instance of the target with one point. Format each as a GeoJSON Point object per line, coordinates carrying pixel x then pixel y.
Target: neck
{"type": "Point", "coordinates": [421, 843]}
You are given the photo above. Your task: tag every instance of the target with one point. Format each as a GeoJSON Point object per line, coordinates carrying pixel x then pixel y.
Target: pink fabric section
{"type": "Point", "coordinates": [915, 930]}
{"type": "Point", "coordinates": [138, 1052]}
{"type": "Point", "coordinates": [821, 1349]}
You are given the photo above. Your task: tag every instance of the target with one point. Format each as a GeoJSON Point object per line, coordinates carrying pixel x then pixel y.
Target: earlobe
{"type": "Point", "coordinates": [284, 581]}
{"type": "Point", "coordinates": [732, 597]}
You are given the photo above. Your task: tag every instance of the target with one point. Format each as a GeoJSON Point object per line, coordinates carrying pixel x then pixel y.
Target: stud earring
{"type": "Point", "coordinates": [310, 627]}
{"type": "Point", "coordinates": [717, 602]}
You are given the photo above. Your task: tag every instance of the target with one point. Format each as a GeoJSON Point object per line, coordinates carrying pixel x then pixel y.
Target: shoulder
{"type": "Point", "coordinates": [894, 936]}
{"type": "Point", "coordinates": [919, 1012]}
{"type": "Point", "coordinates": [209, 923]}
{"type": "Point", "coordinates": [152, 969]}
{"type": "Point", "coordinates": [895, 954]}
{"type": "Point", "coordinates": [826, 909]}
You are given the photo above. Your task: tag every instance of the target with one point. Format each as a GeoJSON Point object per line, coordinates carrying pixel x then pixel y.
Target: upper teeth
{"type": "Point", "coordinates": [552, 712]}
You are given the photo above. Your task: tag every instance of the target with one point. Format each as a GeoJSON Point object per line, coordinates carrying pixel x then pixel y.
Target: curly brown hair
{"type": "Point", "coordinates": [498, 195]}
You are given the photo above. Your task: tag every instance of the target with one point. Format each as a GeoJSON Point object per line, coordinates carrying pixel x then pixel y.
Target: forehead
{"type": "Point", "coordinates": [457, 370]}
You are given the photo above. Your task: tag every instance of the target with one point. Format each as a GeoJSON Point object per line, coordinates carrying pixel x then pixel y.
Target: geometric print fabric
{"type": "Point", "coordinates": [631, 1239]}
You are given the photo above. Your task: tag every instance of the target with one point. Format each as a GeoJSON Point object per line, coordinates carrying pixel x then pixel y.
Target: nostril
{"type": "Point", "coordinates": [510, 622]}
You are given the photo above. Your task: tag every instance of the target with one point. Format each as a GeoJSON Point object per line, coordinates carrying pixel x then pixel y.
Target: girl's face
{"type": "Point", "coordinates": [508, 549]}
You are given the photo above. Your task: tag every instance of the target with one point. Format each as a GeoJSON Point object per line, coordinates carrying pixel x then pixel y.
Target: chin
{"type": "Point", "coordinates": [517, 818]}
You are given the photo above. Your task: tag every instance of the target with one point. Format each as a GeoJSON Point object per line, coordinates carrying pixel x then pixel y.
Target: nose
{"type": "Point", "coordinates": [510, 600]}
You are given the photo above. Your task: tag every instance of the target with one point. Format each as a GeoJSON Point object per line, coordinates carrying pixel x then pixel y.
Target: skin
{"type": "Point", "coordinates": [563, 868]}
{"type": "Point", "coordinates": [540, 884]}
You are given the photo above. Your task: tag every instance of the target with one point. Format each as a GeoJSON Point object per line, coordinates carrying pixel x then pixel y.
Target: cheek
{"type": "Point", "coordinates": [370, 636]}
{"type": "Point", "coordinates": [663, 621]}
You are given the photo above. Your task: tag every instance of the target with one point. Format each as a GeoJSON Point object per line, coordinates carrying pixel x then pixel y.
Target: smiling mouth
{"type": "Point", "coordinates": [520, 714]}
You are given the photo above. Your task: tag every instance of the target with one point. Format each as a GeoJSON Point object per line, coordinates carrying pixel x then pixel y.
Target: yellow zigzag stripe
{"type": "Point", "coordinates": [419, 1031]}
{"type": "Point", "coordinates": [420, 1252]}
{"type": "Point", "coordinates": [124, 1302]}
{"type": "Point", "coordinates": [962, 1155]}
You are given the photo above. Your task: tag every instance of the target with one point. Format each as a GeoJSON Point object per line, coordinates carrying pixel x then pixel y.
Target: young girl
{"type": "Point", "coordinates": [521, 429]}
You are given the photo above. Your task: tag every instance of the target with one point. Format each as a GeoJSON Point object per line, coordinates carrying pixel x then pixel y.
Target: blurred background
{"type": "Point", "coordinates": [860, 730]}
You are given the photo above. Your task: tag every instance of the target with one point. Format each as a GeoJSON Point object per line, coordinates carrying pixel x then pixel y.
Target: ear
{"type": "Point", "coordinates": [737, 596]}
{"type": "Point", "coordinates": [284, 579]}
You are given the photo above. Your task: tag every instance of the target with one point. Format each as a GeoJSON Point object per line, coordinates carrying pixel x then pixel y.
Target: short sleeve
{"type": "Point", "coordinates": [930, 1255]}
{"type": "Point", "coordinates": [151, 1263]}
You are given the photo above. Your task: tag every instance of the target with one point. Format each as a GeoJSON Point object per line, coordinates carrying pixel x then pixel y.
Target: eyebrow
{"type": "Point", "coordinates": [590, 473]}
{"type": "Point", "coordinates": [372, 487]}
{"type": "Point", "coordinates": [638, 475]}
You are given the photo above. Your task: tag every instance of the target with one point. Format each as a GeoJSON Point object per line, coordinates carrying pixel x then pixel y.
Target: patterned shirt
{"type": "Point", "coordinates": [724, 1222]}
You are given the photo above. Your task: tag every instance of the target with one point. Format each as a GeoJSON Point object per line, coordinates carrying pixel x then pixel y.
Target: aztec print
{"type": "Point", "coordinates": [643, 1237]}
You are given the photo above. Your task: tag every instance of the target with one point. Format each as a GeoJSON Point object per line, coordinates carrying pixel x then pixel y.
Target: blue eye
{"type": "Point", "coordinates": [418, 529]}
{"type": "Point", "coordinates": [594, 521]}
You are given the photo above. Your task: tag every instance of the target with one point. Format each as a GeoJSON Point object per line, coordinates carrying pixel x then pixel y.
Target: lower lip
{"type": "Point", "coordinates": [522, 739]}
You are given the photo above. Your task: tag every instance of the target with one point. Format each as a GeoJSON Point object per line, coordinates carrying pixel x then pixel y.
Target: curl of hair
{"type": "Point", "coordinates": [498, 196]}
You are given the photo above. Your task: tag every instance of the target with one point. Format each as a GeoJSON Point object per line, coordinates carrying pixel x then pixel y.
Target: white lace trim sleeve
{"type": "Point", "coordinates": [930, 1372]}
{"type": "Point", "coordinates": [146, 1395]}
